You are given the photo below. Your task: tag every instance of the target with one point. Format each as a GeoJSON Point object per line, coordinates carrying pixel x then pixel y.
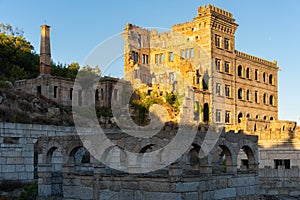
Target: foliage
{"type": "Point", "coordinates": [173, 100]}
{"type": "Point", "coordinates": [65, 71]}
{"type": "Point", "coordinates": [17, 58]}
{"type": "Point", "coordinates": [30, 192]}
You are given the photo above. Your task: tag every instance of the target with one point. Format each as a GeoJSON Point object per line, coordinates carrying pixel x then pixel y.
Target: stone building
{"type": "Point", "coordinates": [228, 85]}
{"type": "Point", "coordinates": [60, 89]}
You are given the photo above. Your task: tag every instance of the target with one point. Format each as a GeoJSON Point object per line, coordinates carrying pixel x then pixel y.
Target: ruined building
{"type": "Point", "coordinates": [229, 85]}
{"type": "Point", "coordinates": [60, 89]}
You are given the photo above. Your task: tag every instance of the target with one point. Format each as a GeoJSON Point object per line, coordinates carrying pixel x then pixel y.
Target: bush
{"type": "Point", "coordinates": [30, 192]}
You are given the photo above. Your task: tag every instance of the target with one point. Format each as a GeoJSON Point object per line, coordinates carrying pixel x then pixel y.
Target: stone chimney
{"type": "Point", "coordinates": [45, 53]}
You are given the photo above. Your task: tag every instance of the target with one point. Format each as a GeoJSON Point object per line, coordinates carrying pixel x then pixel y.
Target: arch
{"type": "Point", "coordinates": [50, 154]}
{"type": "Point", "coordinates": [271, 79]}
{"type": "Point", "coordinates": [248, 163]}
{"type": "Point", "coordinates": [79, 155]}
{"type": "Point", "coordinates": [240, 70]}
{"type": "Point", "coordinates": [257, 117]}
{"type": "Point", "coordinates": [193, 155]}
{"type": "Point", "coordinates": [223, 160]}
{"type": "Point", "coordinates": [271, 118]}
{"type": "Point", "coordinates": [240, 116]}
{"type": "Point", "coordinates": [205, 112]}
{"type": "Point", "coordinates": [248, 115]}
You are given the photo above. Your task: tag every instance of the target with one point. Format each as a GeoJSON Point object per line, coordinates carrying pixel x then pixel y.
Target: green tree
{"type": "Point", "coordinates": [17, 57]}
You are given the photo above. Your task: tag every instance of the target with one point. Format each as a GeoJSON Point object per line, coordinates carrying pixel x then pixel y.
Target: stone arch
{"type": "Point", "coordinates": [197, 160]}
{"type": "Point", "coordinates": [224, 159]}
{"type": "Point", "coordinates": [248, 72]}
{"type": "Point", "coordinates": [251, 159]}
{"type": "Point", "coordinates": [240, 93]}
{"type": "Point", "coordinates": [248, 115]}
{"type": "Point", "coordinates": [78, 155]}
{"type": "Point", "coordinates": [271, 118]}
{"type": "Point", "coordinates": [54, 159]}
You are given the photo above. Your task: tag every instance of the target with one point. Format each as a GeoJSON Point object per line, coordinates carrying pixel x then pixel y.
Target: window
{"type": "Point", "coordinates": [256, 74]}
{"type": "Point", "coordinates": [218, 41]}
{"type": "Point", "coordinates": [182, 53]}
{"type": "Point", "coordinates": [271, 118]}
{"type": "Point", "coordinates": [171, 56]}
{"type": "Point", "coordinates": [97, 95]}
{"type": "Point", "coordinates": [271, 79]}
{"type": "Point", "coordinates": [192, 52]}
{"type": "Point", "coordinates": [102, 94]}
{"type": "Point", "coordinates": [159, 58]}
{"type": "Point", "coordinates": [247, 73]}
{"type": "Point", "coordinates": [240, 116]}
{"type": "Point", "coordinates": [135, 56]}
{"type": "Point", "coordinates": [139, 41]}
{"type": "Point", "coordinates": [227, 116]}
{"type": "Point", "coordinates": [257, 117]}
{"type": "Point", "coordinates": [240, 70]}
{"type": "Point", "coordinates": [286, 163]}
{"type": "Point", "coordinates": [240, 93]}
{"type": "Point", "coordinates": [256, 97]}
{"type": "Point", "coordinates": [198, 76]}
{"type": "Point", "coordinates": [172, 77]}
{"type": "Point", "coordinates": [218, 89]}
{"type": "Point", "coordinates": [265, 98]}
{"type": "Point", "coordinates": [264, 77]}
{"type": "Point", "coordinates": [265, 117]}
{"type": "Point", "coordinates": [39, 89]}
{"type": "Point", "coordinates": [248, 116]}
{"type": "Point", "coordinates": [55, 92]}
{"type": "Point", "coordinates": [271, 100]}
{"type": "Point", "coordinates": [145, 59]}
{"type": "Point", "coordinates": [227, 90]}
{"type": "Point", "coordinates": [226, 43]}
{"type": "Point", "coordinates": [248, 95]}
{"type": "Point", "coordinates": [218, 64]}
{"type": "Point", "coordinates": [136, 73]}
{"type": "Point", "coordinates": [116, 94]}
{"type": "Point", "coordinates": [71, 93]}
{"type": "Point", "coordinates": [218, 115]}
{"type": "Point", "coordinates": [227, 67]}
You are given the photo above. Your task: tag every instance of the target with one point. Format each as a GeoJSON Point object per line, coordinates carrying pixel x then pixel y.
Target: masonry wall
{"type": "Point", "coordinates": [17, 145]}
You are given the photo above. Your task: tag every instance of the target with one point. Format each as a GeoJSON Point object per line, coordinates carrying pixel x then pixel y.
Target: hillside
{"type": "Point", "coordinates": [20, 107]}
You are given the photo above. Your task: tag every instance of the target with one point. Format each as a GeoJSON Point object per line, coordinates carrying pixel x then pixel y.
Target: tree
{"type": "Point", "coordinates": [17, 57]}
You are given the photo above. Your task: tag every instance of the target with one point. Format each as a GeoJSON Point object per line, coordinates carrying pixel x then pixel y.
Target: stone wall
{"type": "Point", "coordinates": [17, 146]}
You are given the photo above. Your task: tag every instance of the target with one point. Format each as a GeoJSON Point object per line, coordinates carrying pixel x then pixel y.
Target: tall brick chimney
{"type": "Point", "coordinates": [45, 53]}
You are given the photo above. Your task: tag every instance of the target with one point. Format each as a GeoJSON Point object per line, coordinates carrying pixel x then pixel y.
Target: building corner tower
{"type": "Point", "coordinates": [45, 53]}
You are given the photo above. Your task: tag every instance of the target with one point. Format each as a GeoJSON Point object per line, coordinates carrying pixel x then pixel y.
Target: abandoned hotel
{"type": "Point", "coordinates": [233, 95]}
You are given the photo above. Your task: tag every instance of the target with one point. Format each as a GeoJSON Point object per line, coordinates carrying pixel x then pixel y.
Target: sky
{"type": "Point", "coordinates": [268, 29]}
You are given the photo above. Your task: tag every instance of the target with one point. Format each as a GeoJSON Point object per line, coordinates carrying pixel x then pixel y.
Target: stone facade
{"type": "Point", "coordinates": [66, 170]}
{"type": "Point", "coordinates": [228, 84]}
{"type": "Point", "coordinates": [61, 90]}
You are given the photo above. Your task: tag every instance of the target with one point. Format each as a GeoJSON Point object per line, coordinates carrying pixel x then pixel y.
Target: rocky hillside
{"type": "Point", "coordinates": [20, 107]}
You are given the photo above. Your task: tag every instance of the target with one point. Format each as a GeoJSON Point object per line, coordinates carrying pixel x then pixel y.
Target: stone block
{"type": "Point", "coordinates": [23, 176]}
{"type": "Point", "coordinates": [20, 168]}
{"type": "Point", "coordinates": [126, 194]}
{"type": "Point", "coordinates": [29, 167]}
{"type": "Point", "coordinates": [8, 168]}
{"type": "Point", "coordinates": [108, 195]}
{"type": "Point", "coordinates": [225, 193]}
{"type": "Point", "coordinates": [191, 196]}
{"type": "Point", "coordinates": [44, 190]}
{"type": "Point", "coordinates": [162, 195]}
{"type": "Point", "coordinates": [14, 160]}
{"type": "Point", "coordinates": [187, 187]}
{"type": "Point", "coordinates": [78, 192]}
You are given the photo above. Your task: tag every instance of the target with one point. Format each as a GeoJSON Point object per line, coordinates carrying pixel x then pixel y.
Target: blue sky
{"type": "Point", "coordinates": [268, 29]}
